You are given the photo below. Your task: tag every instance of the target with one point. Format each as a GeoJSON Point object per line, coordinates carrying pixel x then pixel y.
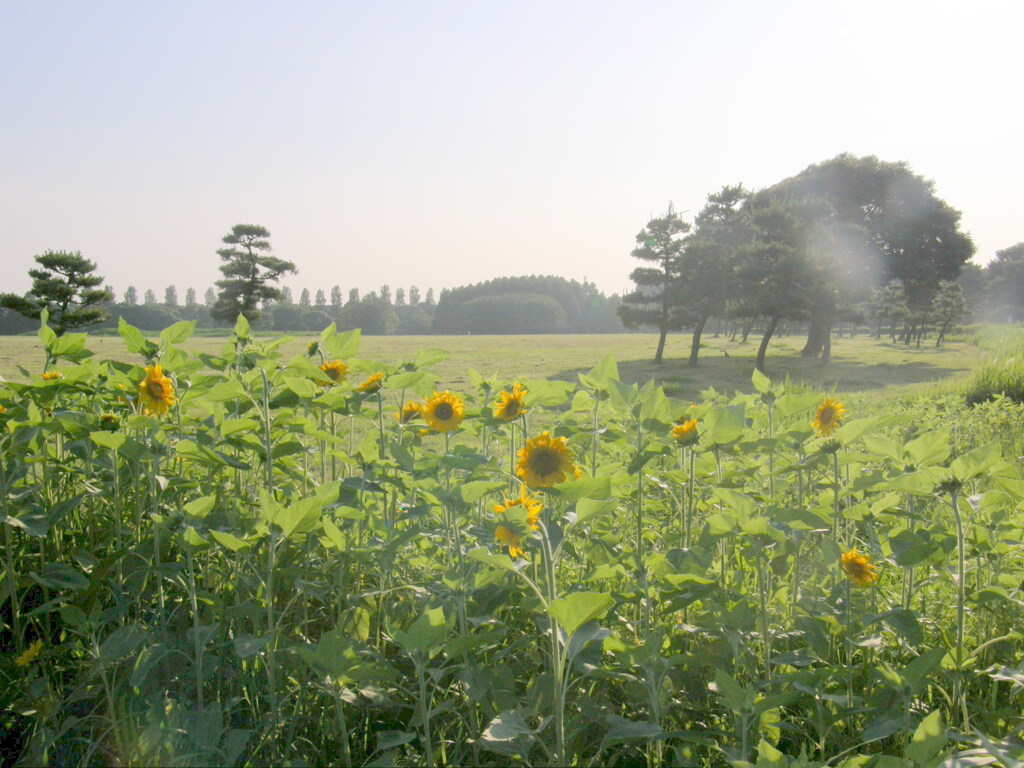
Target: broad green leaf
{"type": "Point", "coordinates": [481, 555]}
{"type": "Point", "coordinates": [426, 633]}
{"type": "Point", "coordinates": [241, 327]}
{"type": "Point", "coordinates": [725, 424]}
{"type": "Point", "coordinates": [134, 341]}
{"type": "Point", "coordinates": [177, 333]}
{"type": "Point", "coordinates": [298, 517]}
{"type": "Point", "coordinates": [109, 440]}
{"type": "Point", "coordinates": [576, 609]}
{"type": "Point", "coordinates": [201, 507]}
{"type": "Point", "coordinates": [975, 462]}
{"type": "Point", "coordinates": [929, 739]}
{"type": "Point", "coordinates": [477, 489]}
{"type": "Point", "coordinates": [605, 371]}
{"type": "Point", "coordinates": [68, 344]}
{"type": "Point", "coordinates": [736, 500]}
{"type": "Point", "coordinates": [229, 540]}
{"type": "Point", "coordinates": [761, 382]}
{"type": "Point", "coordinates": [588, 508]}
{"type": "Point", "coordinates": [587, 487]}
{"type": "Point", "coordinates": [928, 449]}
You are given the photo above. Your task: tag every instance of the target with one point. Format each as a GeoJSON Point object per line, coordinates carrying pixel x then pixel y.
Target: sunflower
{"type": "Point", "coordinates": [544, 461]}
{"type": "Point", "coordinates": [829, 415]}
{"type": "Point", "coordinates": [51, 375]}
{"type": "Point", "coordinates": [510, 405]}
{"type": "Point", "coordinates": [312, 348]}
{"type": "Point", "coordinates": [686, 432]}
{"type": "Point", "coordinates": [443, 412]}
{"type": "Point", "coordinates": [335, 370]}
{"type": "Point", "coordinates": [30, 655]}
{"type": "Point", "coordinates": [2, 410]}
{"type": "Point", "coordinates": [507, 534]}
{"type": "Point", "coordinates": [858, 568]}
{"type": "Point", "coordinates": [411, 410]}
{"type": "Point", "coordinates": [156, 392]}
{"type": "Point", "coordinates": [372, 384]}
{"type": "Point", "coordinates": [110, 422]}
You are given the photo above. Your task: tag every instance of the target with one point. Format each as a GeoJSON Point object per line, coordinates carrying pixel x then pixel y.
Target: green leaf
{"type": "Point", "coordinates": [975, 462]}
{"type": "Point", "coordinates": [177, 333]}
{"type": "Point", "coordinates": [587, 487]}
{"type": "Point", "coordinates": [229, 541]}
{"type": "Point", "coordinates": [929, 739]}
{"type": "Point", "coordinates": [46, 333]}
{"type": "Point", "coordinates": [60, 576]}
{"type": "Point", "coordinates": [68, 344]}
{"type": "Point", "coordinates": [298, 517]}
{"type": "Point", "coordinates": [605, 371]}
{"type": "Point", "coordinates": [736, 500]}
{"type": "Point", "coordinates": [761, 382]}
{"type": "Point", "coordinates": [247, 645]}
{"type": "Point", "coordinates": [241, 327]}
{"type": "Point", "coordinates": [928, 449]}
{"type": "Point", "coordinates": [192, 538]}
{"type": "Point", "coordinates": [134, 341]}
{"type": "Point", "coordinates": [735, 697]}
{"type": "Point", "coordinates": [588, 508]}
{"type": "Point", "coordinates": [572, 611]}
{"type": "Point", "coordinates": [725, 424]}
{"type": "Point", "coordinates": [477, 489]}
{"type": "Point", "coordinates": [426, 633]}
{"type": "Point", "coordinates": [620, 729]}
{"type": "Point", "coordinates": [109, 440]}
{"type": "Point", "coordinates": [342, 345]}
{"type": "Point", "coordinates": [121, 642]}
{"type": "Point", "coordinates": [481, 555]}
{"type": "Point", "coordinates": [201, 507]}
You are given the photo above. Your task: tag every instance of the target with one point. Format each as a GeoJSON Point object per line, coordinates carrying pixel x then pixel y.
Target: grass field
{"type": "Point", "coordinates": [860, 364]}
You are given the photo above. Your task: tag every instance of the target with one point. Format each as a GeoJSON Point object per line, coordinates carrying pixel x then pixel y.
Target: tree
{"type": "Point", "coordinates": [131, 296]}
{"type": "Point", "coordinates": [429, 300]}
{"type": "Point", "coordinates": [385, 293]}
{"type": "Point", "coordinates": [399, 297]}
{"type": "Point", "coordinates": [171, 296]}
{"type": "Point", "coordinates": [150, 297]}
{"type": "Point", "coordinates": [948, 308]}
{"type": "Point", "coordinates": [304, 298]}
{"type": "Point", "coordinates": [373, 315]}
{"type": "Point", "coordinates": [905, 232]}
{"type": "Point", "coordinates": [286, 295]}
{"type": "Point", "coordinates": [321, 298]}
{"type": "Point", "coordinates": [654, 302]}
{"type": "Point", "coordinates": [65, 287]}
{"type": "Point", "coordinates": [191, 302]}
{"type": "Point", "coordinates": [209, 298]}
{"type": "Point", "coordinates": [414, 296]}
{"type": "Point", "coordinates": [708, 260]}
{"type": "Point", "coordinates": [353, 296]}
{"type": "Point", "coordinates": [1005, 277]}
{"type": "Point", "coordinates": [336, 298]}
{"type": "Point", "coordinates": [250, 273]}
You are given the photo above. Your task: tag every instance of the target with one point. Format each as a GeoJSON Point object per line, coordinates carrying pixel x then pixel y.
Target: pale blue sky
{"type": "Point", "coordinates": [439, 143]}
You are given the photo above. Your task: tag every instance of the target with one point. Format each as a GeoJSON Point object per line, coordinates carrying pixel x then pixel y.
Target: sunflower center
{"type": "Point", "coordinates": [512, 409]}
{"type": "Point", "coordinates": [827, 414]}
{"type": "Point", "coordinates": [545, 462]}
{"type": "Point", "coordinates": [156, 390]}
{"type": "Point", "coordinates": [443, 411]}
{"type": "Point", "coordinates": [332, 374]}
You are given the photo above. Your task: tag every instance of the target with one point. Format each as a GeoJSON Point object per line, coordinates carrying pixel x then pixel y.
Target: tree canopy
{"type": "Point", "coordinates": [65, 287]}
{"type": "Point", "coordinates": [250, 274]}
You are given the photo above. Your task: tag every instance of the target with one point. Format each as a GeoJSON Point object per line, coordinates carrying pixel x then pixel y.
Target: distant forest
{"type": "Point", "coordinates": [504, 305]}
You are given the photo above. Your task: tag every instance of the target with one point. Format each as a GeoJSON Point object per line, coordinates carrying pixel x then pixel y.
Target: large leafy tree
{"type": "Point", "coordinates": [250, 274]}
{"type": "Point", "coordinates": [888, 224]}
{"type": "Point", "coordinates": [1005, 276]}
{"type": "Point", "coordinates": [707, 267]}
{"type": "Point", "coordinates": [65, 286]}
{"type": "Point", "coordinates": [655, 301]}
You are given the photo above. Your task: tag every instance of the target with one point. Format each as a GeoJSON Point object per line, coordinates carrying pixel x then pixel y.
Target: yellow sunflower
{"type": "Point", "coordinates": [858, 568]}
{"type": "Point", "coordinates": [686, 432]}
{"type": "Point", "coordinates": [335, 370]}
{"type": "Point", "coordinates": [2, 410]}
{"type": "Point", "coordinates": [509, 535]}
{"type": "Point", "coordinates": [372, 384]}
{"type": "Point", "coordinates": [411, 410]}
{"type": "Point", "coordinates": [110, 422]}
{"type": "Point", "coordinates": [30, 655]}
{"type": "Point", "coordinates": [829, 415]}
{"type": "Point", "coordinates": [312, 348]}
{"type": "Point", "coordinates": [544, 461]}
{"type": "Point", "coordinates": [51, 375]}
{"type": "Point", "coordinates": [443, 412]}
{"type": "Point", "coordinates": [511, 405]}
{"type": "Point", "coordinates": [156, 392]}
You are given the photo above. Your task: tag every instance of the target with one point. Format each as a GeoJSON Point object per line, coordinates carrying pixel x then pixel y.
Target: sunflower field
{"type": "Point", "coordinates": [238, 559]}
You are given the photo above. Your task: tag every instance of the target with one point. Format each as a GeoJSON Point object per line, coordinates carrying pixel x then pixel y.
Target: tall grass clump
{"type": "Point", "coordinates": [1003, 373]}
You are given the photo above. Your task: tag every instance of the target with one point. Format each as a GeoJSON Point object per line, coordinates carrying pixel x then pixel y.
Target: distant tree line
{"type": "Point", "coordinates": [842, 240]}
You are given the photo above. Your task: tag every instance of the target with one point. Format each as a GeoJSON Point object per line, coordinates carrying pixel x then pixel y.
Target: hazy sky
{"type": "Point", "coordinates": [439, 143]}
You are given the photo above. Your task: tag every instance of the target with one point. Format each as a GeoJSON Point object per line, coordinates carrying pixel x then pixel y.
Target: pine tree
{"type": "Point", "coordinates": [65, 287]}
{"type": "Point", "coordinates": [250, 273]}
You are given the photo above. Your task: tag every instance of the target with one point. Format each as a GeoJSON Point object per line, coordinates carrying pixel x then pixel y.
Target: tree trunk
{"type": "Point", "coordinates": [761, 350]}
{"type": "Point", "coordinates": [818, 330]}
{"type": "Point", "coordinates": [747, 327]}
{"type": "Point", "coordinates": [942, 334]}
{"type": "Point", "coordinates": [698, 329]}
{"type": "Point", "coordinates": [661, 346]}
{"type": "Point", "coordinates": [826, 349]}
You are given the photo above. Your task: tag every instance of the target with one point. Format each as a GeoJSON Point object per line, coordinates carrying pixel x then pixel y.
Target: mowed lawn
{"type": "Point", "coordinates": [860, 364]}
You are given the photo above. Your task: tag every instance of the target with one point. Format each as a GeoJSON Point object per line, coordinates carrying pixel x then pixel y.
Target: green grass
{"type": "Point", "coordinates": [861, 365]}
